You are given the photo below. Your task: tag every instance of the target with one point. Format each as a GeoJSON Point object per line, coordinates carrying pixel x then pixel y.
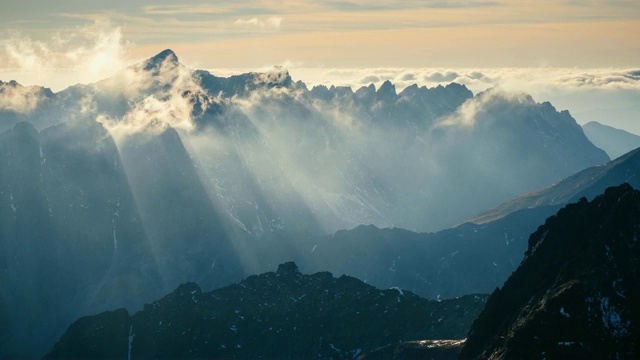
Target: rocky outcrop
{"type": "Point", "coordinates": [575, 295]}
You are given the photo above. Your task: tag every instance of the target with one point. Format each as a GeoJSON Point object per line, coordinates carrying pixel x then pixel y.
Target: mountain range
{"type": "Point", "coordinates": [114, 193]}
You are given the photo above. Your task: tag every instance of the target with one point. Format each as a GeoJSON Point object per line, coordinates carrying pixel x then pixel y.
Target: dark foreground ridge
{"type": "Point", "coordinates": [282, 314]}
{"type": "Point", "coordinates": [576, 293]}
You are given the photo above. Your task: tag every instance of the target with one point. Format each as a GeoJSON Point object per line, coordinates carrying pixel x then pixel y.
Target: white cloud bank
{"type": "Point", "coordinates": [520, 79]}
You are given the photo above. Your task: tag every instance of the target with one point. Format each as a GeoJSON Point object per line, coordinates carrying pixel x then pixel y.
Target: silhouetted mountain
{"type": "Point", "coordinates": [575, 294]}
{"type": "Point", "coordinates": [614, 141]}
{"type": "Point", "coordinates": [274, 315]}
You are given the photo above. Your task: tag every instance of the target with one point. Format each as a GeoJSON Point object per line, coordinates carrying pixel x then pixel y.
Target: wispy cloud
{"type": "Point", "coordinates": [469, 113]}
{"type": "Point", "coordinates": [20, 99]}
{"type": "Point", "coordinates": [394, 5]}
{"type": "Point", "coordinates": [84, 54]}
{"type": "Point", "coordinates": [185, 9]}
{"type": "Point", "coordinates": [158, 100]}
{"type": "Point", "coordinates": [273, 22]}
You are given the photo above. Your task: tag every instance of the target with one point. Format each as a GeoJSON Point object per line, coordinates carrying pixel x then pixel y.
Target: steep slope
{"type": "Point", "coordinates": [615, 142]}
{"type": "Point", "coordinates": [292, 315]}
{"type": "Point", "coordinates": [188, 238]}
{"type": "Point", "coordinates": [587, 183]}
{"type": "Point", "coordinates": [68, 233]}
{"type": "Point", "coordinates": [575, 293]}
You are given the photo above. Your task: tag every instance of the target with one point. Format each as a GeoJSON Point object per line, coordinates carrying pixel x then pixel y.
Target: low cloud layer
{"type": "Point", "coordinates": [519, 79]}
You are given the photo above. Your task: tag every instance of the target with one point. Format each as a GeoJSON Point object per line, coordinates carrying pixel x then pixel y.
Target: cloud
{"type": "Point", "coordinates": [370, 79]}
{"type": "Point", "coordinates": [84, 54]}
{"type": "Point", "coordinates": [158, 98]}
{"type": "Point", "coordinates": [470, 112]}
{"type": "Point", "coordinates": [408, 77]}
{"type": "Point", "coordinates": [447, 76]}
{"type": "Point", "coordinates": [21, 99]}
{"type": "Point", "coordinates": [273, 22]}
{"type": "Point", "coordinates": [531, 80]}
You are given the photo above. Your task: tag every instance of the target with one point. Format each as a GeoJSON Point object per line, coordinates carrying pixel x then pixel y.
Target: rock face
{"type": "Point", "coordinates": [575, 295]}
{"type": "Point", "coordinates": [282, 314]}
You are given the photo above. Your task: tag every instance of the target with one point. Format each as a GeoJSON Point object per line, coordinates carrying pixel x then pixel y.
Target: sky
{"type": "Point", "coordinates": [580, 55]}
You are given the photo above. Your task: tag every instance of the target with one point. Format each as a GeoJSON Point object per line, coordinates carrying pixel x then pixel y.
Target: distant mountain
{"type": "Point", "coordinates": [587, 183]}
{"type": "Point", "coordinates": [575, 294]}
{"type": "Point", "coordinates": [378, 157]}
{"type": "Point", "coordinates": [274, 315]}
{"type": "Point", "coordinates": [614, 141]}
{"type": "Point", "coordinates": [463, 260]}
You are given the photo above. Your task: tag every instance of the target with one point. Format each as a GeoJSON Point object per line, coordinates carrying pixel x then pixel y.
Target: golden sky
{"type": "Point", "coordinates": [406, 33]}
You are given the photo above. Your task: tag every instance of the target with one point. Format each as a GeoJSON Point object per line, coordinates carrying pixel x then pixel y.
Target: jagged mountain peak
{"type": "Point", "coordinates": [387, 90]}
{"type": "Point", "coordinates": [12, 86]}
{"type": "Point", "coordinates": [164, 57]}
{"type": "Point", "coordinates": [457, 86]}
{"type": "Point", "coordinates": [12, 83]}
{"type": "Point", "coordinates": [278, 76]}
